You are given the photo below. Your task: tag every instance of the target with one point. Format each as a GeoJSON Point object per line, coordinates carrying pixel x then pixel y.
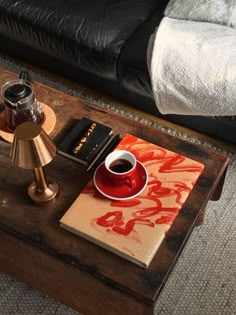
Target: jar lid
{"type": "Point", "coordinates": [16, 93]}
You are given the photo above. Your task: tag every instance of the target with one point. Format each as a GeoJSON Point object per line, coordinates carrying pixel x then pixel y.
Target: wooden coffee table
{"type": "Point", "coordinates": [36, 250]}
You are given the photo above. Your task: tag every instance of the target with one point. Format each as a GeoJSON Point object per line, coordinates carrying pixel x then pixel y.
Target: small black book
{"type": "Point", "coordinates": [85, 140]}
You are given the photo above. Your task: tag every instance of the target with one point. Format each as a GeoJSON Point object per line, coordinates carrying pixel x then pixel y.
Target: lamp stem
{"type": "Point", "coordinates": [40, 179]}
{"type": "Point", "coordinates": [41, 190]}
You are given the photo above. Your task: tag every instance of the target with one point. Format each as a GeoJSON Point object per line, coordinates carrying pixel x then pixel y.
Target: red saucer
{"type": "Point", "coordinates": [107, 189]}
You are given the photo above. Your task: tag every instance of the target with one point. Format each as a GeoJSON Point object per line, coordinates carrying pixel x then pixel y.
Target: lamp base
{"type": "Point", "coordinates": [41, 197]}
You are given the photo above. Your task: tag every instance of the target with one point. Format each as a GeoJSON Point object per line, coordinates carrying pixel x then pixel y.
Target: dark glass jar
{"type": "Point", "coordinates": [20, 103]}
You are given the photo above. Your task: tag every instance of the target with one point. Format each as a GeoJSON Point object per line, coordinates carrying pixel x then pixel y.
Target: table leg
{"type": "Point", "coordinates": [214, 197]}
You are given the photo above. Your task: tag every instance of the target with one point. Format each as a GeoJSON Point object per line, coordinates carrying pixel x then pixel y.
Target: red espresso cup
{"type": "Point", "coordinates": [121, 168]}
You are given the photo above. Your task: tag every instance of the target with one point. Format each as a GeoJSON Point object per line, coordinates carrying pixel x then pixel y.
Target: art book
{"type": "Point", "coordinates": [135, 228]}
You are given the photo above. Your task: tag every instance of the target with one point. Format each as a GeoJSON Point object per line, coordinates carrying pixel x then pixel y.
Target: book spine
{"type": "Point", "coordinates": [107, 148]}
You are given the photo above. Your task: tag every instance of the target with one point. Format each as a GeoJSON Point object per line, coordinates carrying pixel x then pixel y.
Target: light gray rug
{"type": "Point", "coordinates": [203, 281]}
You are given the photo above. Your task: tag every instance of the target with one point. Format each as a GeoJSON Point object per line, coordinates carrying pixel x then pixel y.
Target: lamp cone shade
{"type": "Point", "coordinates": [32, 147]}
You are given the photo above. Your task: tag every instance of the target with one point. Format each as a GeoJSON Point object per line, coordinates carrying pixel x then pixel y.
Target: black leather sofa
{"type": "Point", "coordinates": [99, 43]}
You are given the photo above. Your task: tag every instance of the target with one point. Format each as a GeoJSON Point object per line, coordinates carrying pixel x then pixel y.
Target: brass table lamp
{"type": "Point", "coordinates": [32, 149]}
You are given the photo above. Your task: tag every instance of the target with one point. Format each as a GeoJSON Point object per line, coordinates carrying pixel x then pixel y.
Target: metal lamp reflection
{"type": "Point", "coordinates": [32, 149]}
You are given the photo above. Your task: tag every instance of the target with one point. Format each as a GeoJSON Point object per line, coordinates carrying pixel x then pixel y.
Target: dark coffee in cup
{"type": "Point", "coordinates": [120, 166]}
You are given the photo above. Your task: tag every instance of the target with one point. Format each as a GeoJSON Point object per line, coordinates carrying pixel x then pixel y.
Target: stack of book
{"type": "Point", "coordinates": [88, 142]}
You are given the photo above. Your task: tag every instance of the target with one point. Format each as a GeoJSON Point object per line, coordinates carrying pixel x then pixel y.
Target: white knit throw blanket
{"type": "Point", "coordinates": [215, 11]}
{"type": "Point", "coordinates": [192, 64]}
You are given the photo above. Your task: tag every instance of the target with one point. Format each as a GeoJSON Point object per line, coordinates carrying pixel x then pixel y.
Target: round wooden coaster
{"type": "Point", "coordinates": [48, 124]}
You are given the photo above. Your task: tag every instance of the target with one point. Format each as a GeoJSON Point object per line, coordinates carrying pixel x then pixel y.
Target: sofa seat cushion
{"type": "Point", "coordinates": [86, 34]}
{"type": "Point", "coordinates": [132, 70]}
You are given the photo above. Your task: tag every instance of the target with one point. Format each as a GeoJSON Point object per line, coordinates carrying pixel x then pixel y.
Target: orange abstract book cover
{"type": "Point", "coordinates": [135, 228]}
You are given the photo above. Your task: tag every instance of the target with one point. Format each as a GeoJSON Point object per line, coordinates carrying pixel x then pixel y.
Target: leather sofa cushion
{"type": "Point", "coordinates": [86, 34]}
{"type": "Point", "coordinates": [132, 70]}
